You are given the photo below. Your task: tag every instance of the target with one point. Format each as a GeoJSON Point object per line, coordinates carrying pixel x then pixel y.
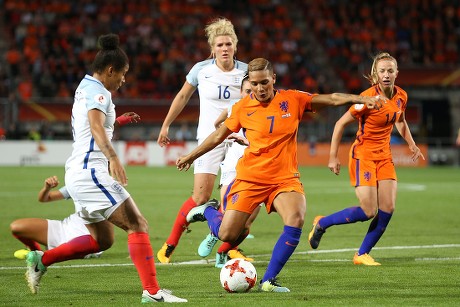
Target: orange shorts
{"type": "Point", "coordinates": [246, 196]}
{"type": "Point", "coordinates": [368, 172]}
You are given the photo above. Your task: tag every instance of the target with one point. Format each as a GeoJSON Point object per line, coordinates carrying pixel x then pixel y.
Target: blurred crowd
{"type": "Point", "coordinates": [419, 33]}
{"type": "Point", "coordinates": [48, 45]}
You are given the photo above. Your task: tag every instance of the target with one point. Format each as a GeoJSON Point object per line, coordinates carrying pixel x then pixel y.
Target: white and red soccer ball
{"type": "Point", "coordinates": [238, 275]}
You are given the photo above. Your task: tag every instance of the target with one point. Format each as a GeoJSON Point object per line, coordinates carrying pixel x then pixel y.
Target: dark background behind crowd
{"type": "Point", "coordinates": [46, 47]}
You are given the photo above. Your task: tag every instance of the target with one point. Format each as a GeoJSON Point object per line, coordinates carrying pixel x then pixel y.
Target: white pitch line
{"type": "Point", "coordinates": [206, 261]}
{"type": "Point", "coordinates": [437, 259]}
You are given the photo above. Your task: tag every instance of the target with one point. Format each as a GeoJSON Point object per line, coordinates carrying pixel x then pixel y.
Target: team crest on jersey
{"type": "Point", "coordinates": [237, 80]}
{"type": "Point", "coordinates": [99, 98]}
{"type": "Point", "coordinates": [398, 103]}
{"type": "Point", "coordinates": [235, 198]}
{"type": "Point", "coordinates": [284, 106]}
{"type": "Point", "coordinates": [367, 176]}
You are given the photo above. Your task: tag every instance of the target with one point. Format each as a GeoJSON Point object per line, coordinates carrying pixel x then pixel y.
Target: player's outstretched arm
{"type": "Point", "coordinates": [214, 139]}
{"type": "Point", "coordinates": [46, 194]}
{"type": "Point", "coordinates": [339, 99]}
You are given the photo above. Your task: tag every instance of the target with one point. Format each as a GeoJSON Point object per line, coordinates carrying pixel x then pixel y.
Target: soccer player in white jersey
{"type": "Point", "coordinates": [218, 80]}
{"type": "Point", "coordinates": [99, 195]}
{"type": "Point", "coordinates": [52, 233]}
{"type": "Point", "coordinates": [227, 174]}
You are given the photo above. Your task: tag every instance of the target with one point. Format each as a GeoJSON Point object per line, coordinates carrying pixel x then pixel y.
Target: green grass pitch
{"type": "Point", "coordinates": [420, 251]}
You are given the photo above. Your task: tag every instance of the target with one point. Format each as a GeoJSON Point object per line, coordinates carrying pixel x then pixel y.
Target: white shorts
{"type": "Point", "coordinates": [209, 163]}
{"type": "Point", "coordinates": [228, 166]}
{"type": "Point", "coordinates": [60, 232]}
{"type": "Point", "coordinates": [95, 193]}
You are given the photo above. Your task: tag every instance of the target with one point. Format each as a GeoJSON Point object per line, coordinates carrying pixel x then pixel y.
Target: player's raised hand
{"type": "Point", "coordinates": [51, 182]}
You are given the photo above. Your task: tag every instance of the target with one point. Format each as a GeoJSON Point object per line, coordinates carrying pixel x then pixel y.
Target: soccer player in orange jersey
{"type": "Point", "coordinates": [268, 172]}
{"type": "Point", "coordinates": [371, 167]}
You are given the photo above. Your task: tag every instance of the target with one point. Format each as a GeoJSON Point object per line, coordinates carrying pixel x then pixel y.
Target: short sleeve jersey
{"type": "Point", "coordinates": [271, 130]}
{"type": "Point", "coordinates": [64, 192]}
{"type": "Point", "coordinates": [216, 89]}
{"type": "Point", "coordinates": [375, 126]}
{"type": "Point", "coordinates": [90, 94]}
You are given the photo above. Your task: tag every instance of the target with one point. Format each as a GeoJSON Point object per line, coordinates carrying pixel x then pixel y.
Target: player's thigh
{"type": "Point", "coordinates": [31, 228]}
{"type": "Point", "coordinates": [253, 217]}
{"type": "Point", "coordinates": [129, 218]}
{"type": "Point", "coordinates": [233, 224]}
{"type": "Point", "coordinates": [387, 195]}
{"type": "Point", "coordinates": [203, 186]}
{"type": "Point", "coordinates": [103, 233]}
{"type": "Point", "coordinates": [368, 200]}
{"type": "Point", "coordinates": [291, 206]}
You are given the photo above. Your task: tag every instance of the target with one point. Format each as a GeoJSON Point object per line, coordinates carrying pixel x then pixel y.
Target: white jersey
{"type": "Point", "coordinates": [216, 89]}
{"type": "Point", "coordinates": [64, 192]}
{"type": "Point", "coordinates": [90, 94]}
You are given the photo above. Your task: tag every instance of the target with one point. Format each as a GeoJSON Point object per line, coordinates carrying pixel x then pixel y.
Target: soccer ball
{"type": "Point", "coordinates": [238, 275]}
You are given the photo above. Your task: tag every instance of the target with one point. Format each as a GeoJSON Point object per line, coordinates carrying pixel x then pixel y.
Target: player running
{"type": "Point", "coordinates": [371, 168]}
{"type": "Point", "coordinates": [268, 171]}
{"type": "Point", "coordinates": [52, 233]}
{"type": "Point", "coordinates": [96, 179]}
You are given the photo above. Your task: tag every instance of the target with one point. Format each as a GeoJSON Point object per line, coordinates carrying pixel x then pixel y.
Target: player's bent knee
{"type": "Point", "coordinates": [105, 243]}
{"type": "Point", "coordinates": [228, 236]}
{"type": "Point", "coordinates": [16, 227]}
{"type": "Point", "coordinates": [140, 225]}
{"type": "Point", "coordinates": [370, 213]}
{"type": "Point", "coordinates": [201, 199]}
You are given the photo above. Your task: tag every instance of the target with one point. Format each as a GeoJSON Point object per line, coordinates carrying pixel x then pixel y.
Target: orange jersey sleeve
{"type": "Point", "coordinates": [375, 126]}
{"type": "Point", "coordinates": [271, 130]}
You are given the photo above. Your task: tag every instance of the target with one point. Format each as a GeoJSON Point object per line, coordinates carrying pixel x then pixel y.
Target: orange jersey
{"type": "Point", "coordinates": [271, 130]}
{"type": "Point", "coordinates": [375, 126]}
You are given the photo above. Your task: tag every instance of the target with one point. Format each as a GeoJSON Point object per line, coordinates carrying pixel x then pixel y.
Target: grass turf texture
{"type": "Point", "coordinates": [420, 251]}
